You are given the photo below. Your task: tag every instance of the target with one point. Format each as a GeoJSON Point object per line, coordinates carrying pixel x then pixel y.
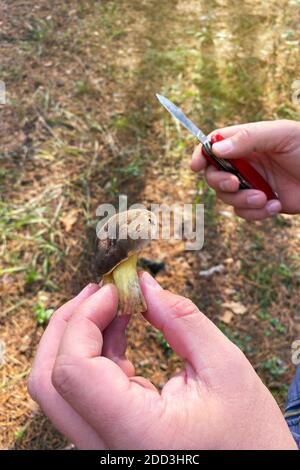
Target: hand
{"type": "Point", "coordinates": [87, 387]}
{"type": "Point", "coordinates": [273, 148]}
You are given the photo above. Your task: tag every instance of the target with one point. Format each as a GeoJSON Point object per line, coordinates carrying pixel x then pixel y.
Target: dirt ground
{"type": "Point", "coordinates": [82, 125]}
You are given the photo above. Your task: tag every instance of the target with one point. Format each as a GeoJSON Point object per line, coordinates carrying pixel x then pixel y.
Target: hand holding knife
{"type": "Point", "coordinates": [248, 177]}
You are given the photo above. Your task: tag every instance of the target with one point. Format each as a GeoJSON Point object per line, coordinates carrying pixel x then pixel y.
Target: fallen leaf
{"type": "Point", "coordinates": [69, 219]}
{"type": "Point", "coordinates": [226, 317]}
{"type": "Point", "coordinates": [236, 307]}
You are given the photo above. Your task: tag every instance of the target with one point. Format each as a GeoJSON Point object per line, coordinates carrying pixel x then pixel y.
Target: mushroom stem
{"type": "Point", "coordinates": [125, 277]}
{"type": "Point", "coordinates": [108, 279]}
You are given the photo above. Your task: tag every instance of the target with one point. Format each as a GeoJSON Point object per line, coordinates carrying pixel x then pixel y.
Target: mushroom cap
{"type": "Point", "coordinates": [121, 236]}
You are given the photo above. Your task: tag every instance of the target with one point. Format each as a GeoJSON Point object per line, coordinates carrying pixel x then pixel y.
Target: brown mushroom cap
{"type": "Point", "coordinates": [111, 249]}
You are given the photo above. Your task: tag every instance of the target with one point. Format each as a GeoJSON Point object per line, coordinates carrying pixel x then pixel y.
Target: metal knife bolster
{"type": "Point", "coordinates": [225, 165]}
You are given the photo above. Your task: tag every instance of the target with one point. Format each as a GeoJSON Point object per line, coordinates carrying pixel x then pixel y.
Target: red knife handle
{"type": "Point", "coordinates": [249, 178]}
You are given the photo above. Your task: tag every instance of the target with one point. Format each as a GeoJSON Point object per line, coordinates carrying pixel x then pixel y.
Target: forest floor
{"type": "Point", "coordinates": [82, 125]}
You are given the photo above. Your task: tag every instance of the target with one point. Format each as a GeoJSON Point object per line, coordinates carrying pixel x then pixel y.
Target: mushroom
{"type": "Point", "coordinates": [120, 240]}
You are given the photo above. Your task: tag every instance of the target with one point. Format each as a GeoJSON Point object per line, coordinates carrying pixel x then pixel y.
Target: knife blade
{"type": "Point", "coordinates": [181, 117]}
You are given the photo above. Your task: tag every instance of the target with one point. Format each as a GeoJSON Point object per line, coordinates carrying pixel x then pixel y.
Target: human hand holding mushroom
{"type": "Point", "coordinates": [86, 386]}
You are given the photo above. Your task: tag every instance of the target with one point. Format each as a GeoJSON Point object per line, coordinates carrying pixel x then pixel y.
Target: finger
{"type": "Point", "coordinates": [229, 131]}
{"type": "Point", "coordinates": [272, 208]}
{"type": "Point", "coordinates": [115, 343]}
{"type": "Point", "coordinates": [67, 420]}
{"type": "Point", "coordinates": [92, 384]}
{"type": "Point", "coordinates": [48, 347]}
{"type": "Point", "coordinates": [244, 199]}
{"type": "Point", "coordinates": [267, 127]}
{"type": "Point", "coordinates": [40, 387]}
{"type": "Point", "coordinates": [198, 162]}
{"type": "Point", "coordinates": [244, 140]}
{"type": "Point", "coordinates": [190, 333]}
{"type": "Point", "coordinates": [221, 180]}
{"type": "Point", "coordinates": [83, 335]}
{"type": "Point", "coordinates": [143, 382]}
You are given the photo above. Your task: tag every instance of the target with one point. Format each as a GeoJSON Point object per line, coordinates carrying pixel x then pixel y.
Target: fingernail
{"type": "Point", "coordinates": [256, 199]}
{"type": "Point", "coordinates": [149, 281]}
{"type": "Point", "coordinates": [226, 185]}
{"type": "Point", "coordinates": [273, 207]}
{"type": "Point", "coordinates": [223, 147]}
{"type": "Point", "coordinates": [90, 287]}
{"type": "Point", "coordinates": [88, 290]}
{"type": "Point", "coordinates": [107, 287]}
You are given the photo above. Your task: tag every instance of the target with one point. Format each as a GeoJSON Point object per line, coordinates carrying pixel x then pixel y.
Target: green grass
{"type": "Point", "coordinates": [274, 366]}
{"type": "Point", "coordinates": [20, 432]}
{"type": "Point", "coordinates": [112, 187]}
{"type": "Point", "coordinates": [40, 35]}
{"type": "Point", "coordinates": [40, 30]}
{"type": "Point", "coordinates": [31, 276]}
{"type": "Point", "coordinates": [133, 170]}
{"type": "Point", "coordinates": [242, 340]}
{"type": "Point", "coordinates": [31, 228]}
{"type": "Point", "coordinates": [42, 313]}
{"type": "Point", "coordinates": [267, 275]}
{"type": "Point", "coordinates": [122, 123]}
{"type": "Point", "coordinates": [109, 20]}
{"type": "Point", "coordinates": [86, 88]}
{"type": "Point", "coordinates": [273, 323]}
{"type": "Point", "coordinates": [162, 342]}
{"type": "Point", "coordinates": [277, 325]}
{"type": "Point", "coordinates": [174, 61]}
{"type": "Point", "coordinates": [207, 196]}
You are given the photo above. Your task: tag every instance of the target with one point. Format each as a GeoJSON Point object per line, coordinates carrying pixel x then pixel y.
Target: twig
{"type": "Point", "coordinates": [12, 308]}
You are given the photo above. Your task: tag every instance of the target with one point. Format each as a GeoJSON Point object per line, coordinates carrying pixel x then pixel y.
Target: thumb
{"type": "Point", "coordinates": [242, 141]}
{"type": "Point", "coordinates": [188, 331]}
